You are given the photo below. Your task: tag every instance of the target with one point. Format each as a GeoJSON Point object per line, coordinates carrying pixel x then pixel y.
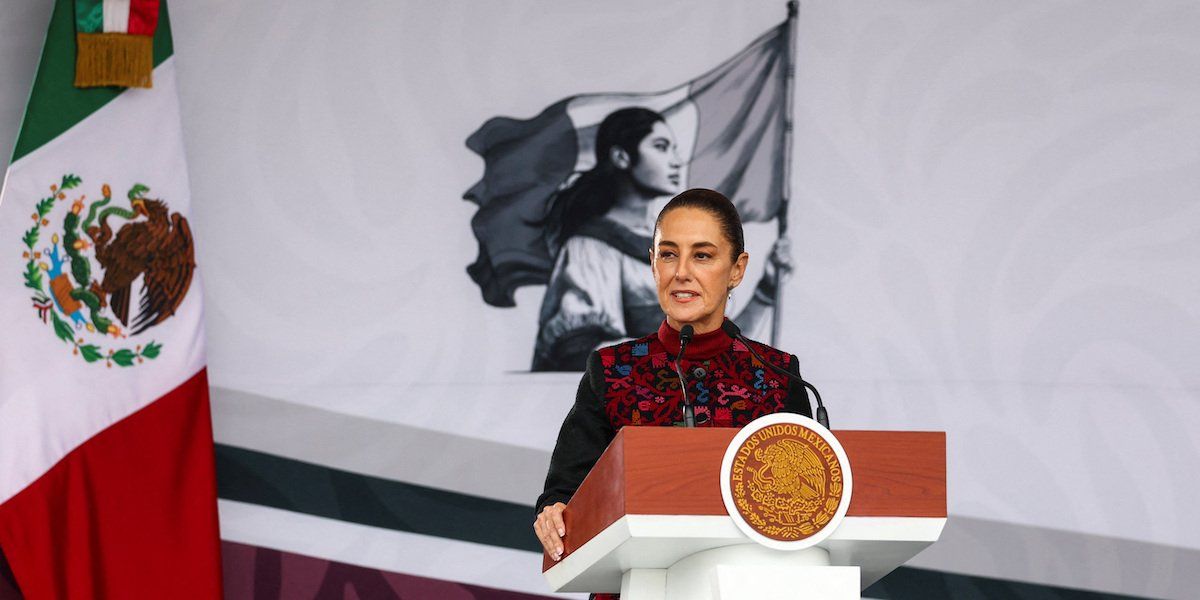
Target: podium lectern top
{"type": "Point", "coordinates": [899, 497]}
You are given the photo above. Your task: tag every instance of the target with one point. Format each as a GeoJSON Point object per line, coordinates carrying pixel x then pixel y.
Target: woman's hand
{"type": "Point", "coordinates": [779, 263]}
{"type": "Point", "coordinates": [550, 529]}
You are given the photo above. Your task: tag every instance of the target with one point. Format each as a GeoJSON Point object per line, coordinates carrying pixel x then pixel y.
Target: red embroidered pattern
{"type": "Point", "coordinates": [643, 389]}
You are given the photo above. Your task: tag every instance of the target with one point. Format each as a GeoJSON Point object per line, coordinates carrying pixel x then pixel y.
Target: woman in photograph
{"type": "Point", "coordinates": [599, 230]}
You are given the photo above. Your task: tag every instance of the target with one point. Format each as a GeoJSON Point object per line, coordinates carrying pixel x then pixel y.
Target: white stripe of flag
{"type": "Point", "coordinates": [116, 16]}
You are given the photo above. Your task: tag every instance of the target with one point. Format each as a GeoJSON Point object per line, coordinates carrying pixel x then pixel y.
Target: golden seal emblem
{"type": "Point", "coordinates": [786, 480]}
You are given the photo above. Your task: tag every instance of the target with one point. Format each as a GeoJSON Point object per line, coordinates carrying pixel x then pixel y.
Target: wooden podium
{"type": "Point", "coordinates": [649, 521]}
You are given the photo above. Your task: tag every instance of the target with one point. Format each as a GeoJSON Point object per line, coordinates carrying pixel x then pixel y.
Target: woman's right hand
{"type": "Point", "coordinates": [550, 529]}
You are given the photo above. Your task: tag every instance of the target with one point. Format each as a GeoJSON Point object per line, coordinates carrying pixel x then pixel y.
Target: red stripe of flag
{"type": "Point", "coordinates": [131, 513]}
{"type": "Point", "coordinates": [143, 17]}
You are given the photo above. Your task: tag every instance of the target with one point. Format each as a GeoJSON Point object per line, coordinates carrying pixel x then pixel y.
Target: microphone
{"type": "Point", "coordinates": [734, 332]}
{"type": "Point", "coordinates": [689, 413]}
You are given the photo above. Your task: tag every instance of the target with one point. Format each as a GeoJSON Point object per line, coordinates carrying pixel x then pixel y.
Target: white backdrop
{"type": "Point", "coordinates": [996, 224]}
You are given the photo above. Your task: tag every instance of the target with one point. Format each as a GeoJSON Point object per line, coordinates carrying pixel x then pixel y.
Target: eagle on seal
{"type": "Point", "coordinates": [160, 248]}
{"type": "Point", "coordinates": [791, 469]}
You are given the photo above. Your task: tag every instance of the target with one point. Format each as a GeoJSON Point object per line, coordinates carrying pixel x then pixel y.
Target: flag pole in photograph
{"type": "Point", "coordinates": [793, 10]}
{"type": "Point", "coordinates": [107, 487]}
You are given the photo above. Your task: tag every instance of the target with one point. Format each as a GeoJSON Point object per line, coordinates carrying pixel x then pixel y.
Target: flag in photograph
{"type": "Point", "coordinates": [106, 456]}
{"type": "Point", "coordinates": [730, 124]}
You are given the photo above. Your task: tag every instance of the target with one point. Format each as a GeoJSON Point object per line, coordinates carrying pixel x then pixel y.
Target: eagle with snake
{"type": "Point", "coordinates": [158, 248]}
{"type": "Point", "coordinates": [791, 479]}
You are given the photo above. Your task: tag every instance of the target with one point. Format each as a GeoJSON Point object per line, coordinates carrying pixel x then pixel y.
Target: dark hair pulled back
{"type": "Point", "coordinates": [594, 192]}
{"type": "Point", "coordinates": [716, 204]}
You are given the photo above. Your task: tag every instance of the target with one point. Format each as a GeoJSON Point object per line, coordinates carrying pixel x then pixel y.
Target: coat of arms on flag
{"type": "Point", "coordinates": [88, 272]}
{"type": "Point", "coordinates": [565, 196]}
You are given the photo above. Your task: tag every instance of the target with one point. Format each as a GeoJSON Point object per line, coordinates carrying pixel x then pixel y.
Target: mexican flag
{"type": "Point", "coordinates": [106, 456]}
{"type": "Point", "coordinates": [731, 125]}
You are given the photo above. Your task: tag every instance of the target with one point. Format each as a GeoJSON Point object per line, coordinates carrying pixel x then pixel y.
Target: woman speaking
{"type": "Point", "coordinates": [698, 257]}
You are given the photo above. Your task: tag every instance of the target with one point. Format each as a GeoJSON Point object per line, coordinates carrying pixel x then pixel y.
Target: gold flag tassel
{"type": "Point", "coordinates": [117, 59]}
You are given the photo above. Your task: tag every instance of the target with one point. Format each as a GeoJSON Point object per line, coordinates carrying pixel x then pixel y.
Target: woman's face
{"type": "Point", "coordinates": [693, 269]}
{"type": "Point", "coordinates": [657, 168]}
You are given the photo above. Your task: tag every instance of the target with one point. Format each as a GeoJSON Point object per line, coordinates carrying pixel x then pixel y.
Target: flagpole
{"type": "Point", "coordinates": [793, 10]}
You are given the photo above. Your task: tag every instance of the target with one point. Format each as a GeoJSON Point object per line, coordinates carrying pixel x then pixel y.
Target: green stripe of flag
{"type": "Point", "coordinates": [89, 16]}
{"type": "Point", "coordinates": [55, 104]}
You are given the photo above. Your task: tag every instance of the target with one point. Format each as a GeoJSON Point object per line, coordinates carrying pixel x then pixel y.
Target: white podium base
{"type": "Point", "coordinates": [794, 583]}
{"type": "Point", "coordinates": [637, 550]}
{"type": "Point", "coordinates": [745, 572]}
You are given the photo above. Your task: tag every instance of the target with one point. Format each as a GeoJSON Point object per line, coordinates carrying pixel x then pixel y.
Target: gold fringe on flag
{"type": "Point", "coordinates": [120, 59]}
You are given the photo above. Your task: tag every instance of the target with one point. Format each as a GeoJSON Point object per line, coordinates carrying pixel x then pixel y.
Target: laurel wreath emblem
{"type": "Point", "coordinates": [49, 302]}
